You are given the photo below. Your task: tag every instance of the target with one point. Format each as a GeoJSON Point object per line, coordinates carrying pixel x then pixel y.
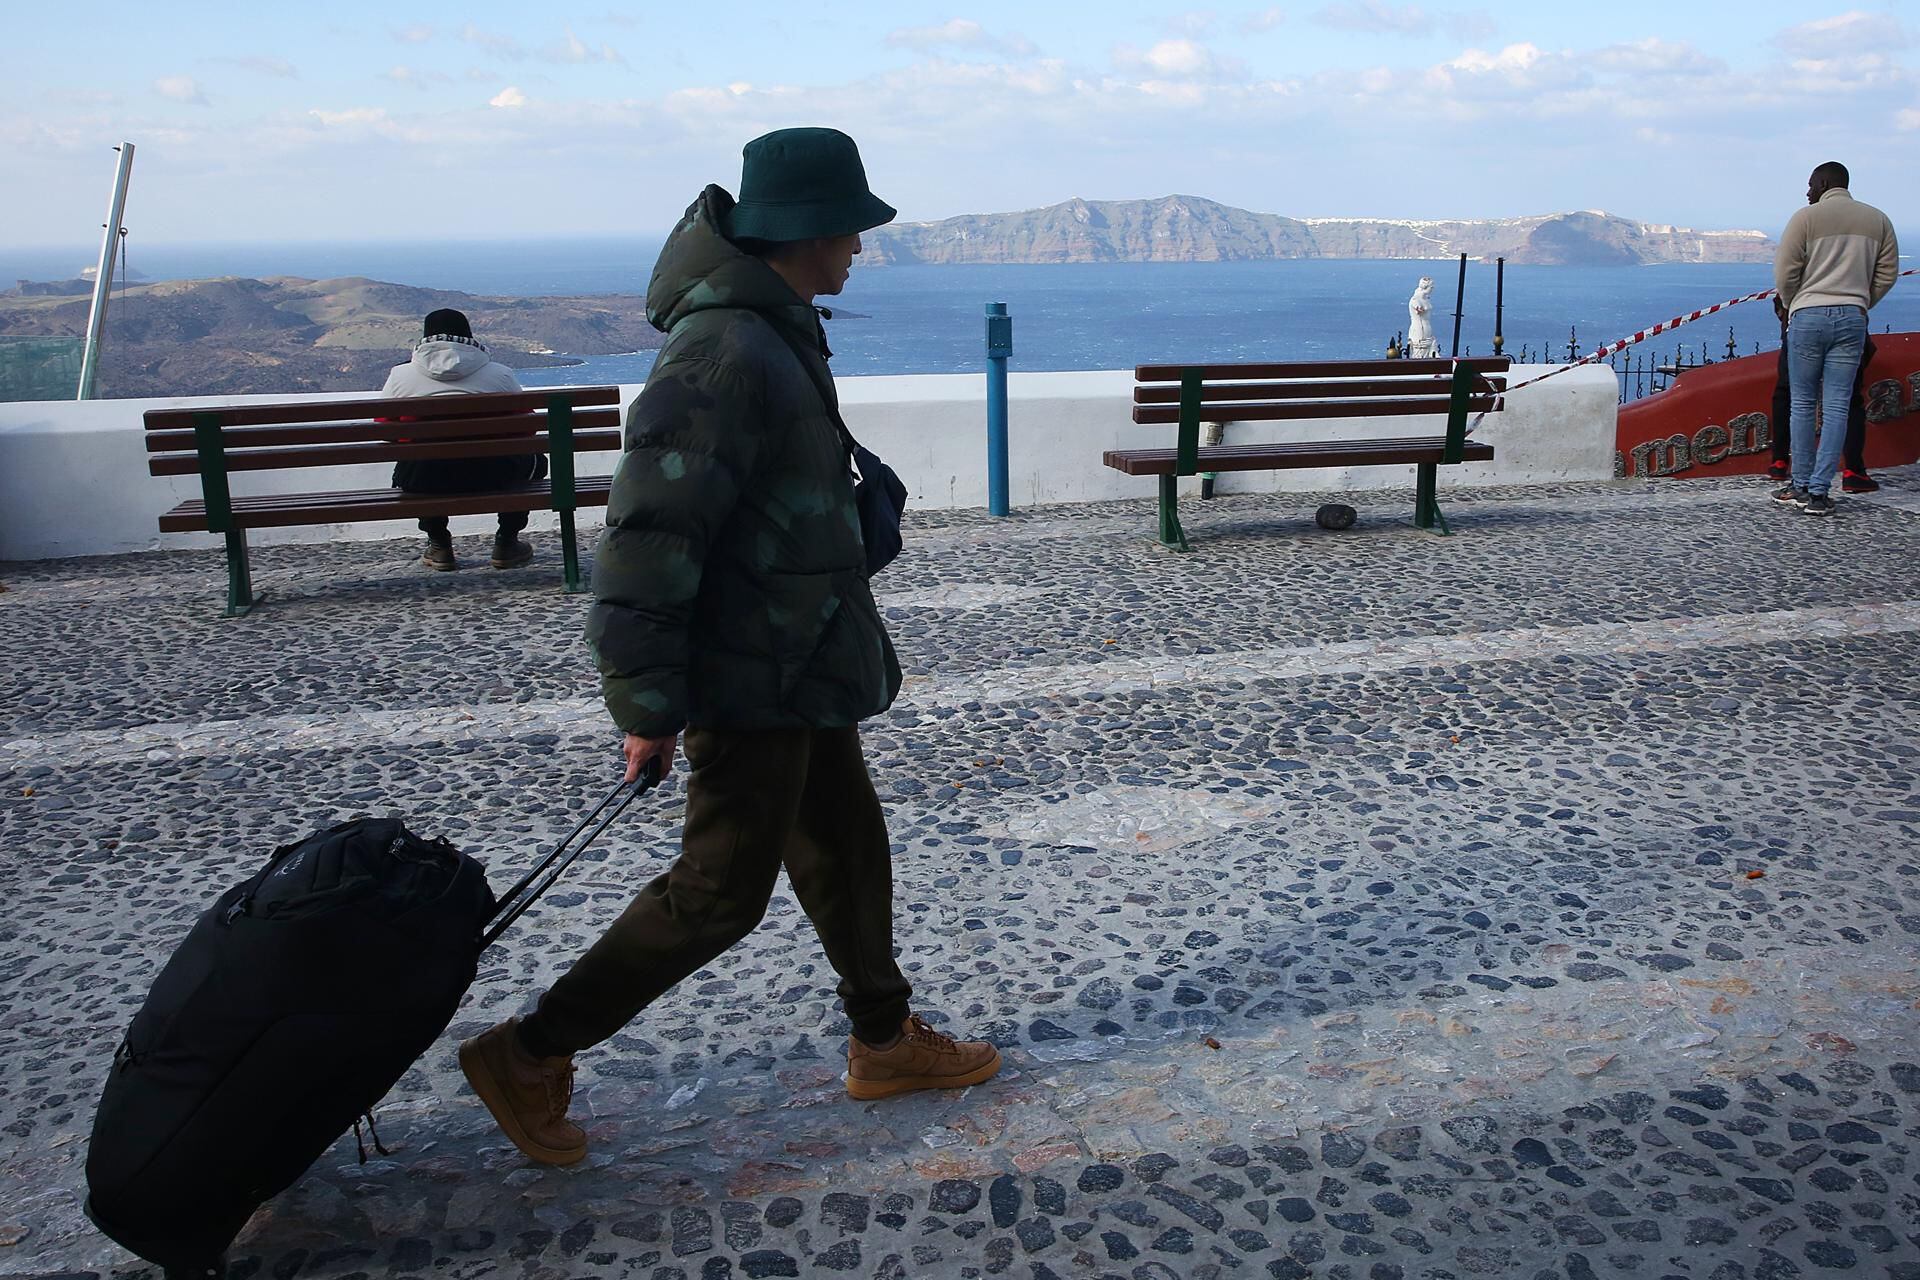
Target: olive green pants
{"type": "Point", "coordinates": [756, 801]}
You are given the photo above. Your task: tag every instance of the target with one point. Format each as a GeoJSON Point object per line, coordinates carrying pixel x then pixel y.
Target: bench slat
{"type": "Point", "coordinates": [1371, 408]}
{"type": "Point", "coordinates": [1283, 457]}
{"type": "Point", "coordinates": [486, 404]}
{"type": "Point", "coordinates": [279, 510]}
{"type": "Point", "coordinates": [1320, 369]}
{"type": "Point", "coordinates": [235, 438]}
{"type": "Point", "coordinates": [340, 455]}
{"type": "Point", "coordinates": [1211, 392]}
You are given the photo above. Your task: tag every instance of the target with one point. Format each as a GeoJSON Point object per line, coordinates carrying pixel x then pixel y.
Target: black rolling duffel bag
{"type": "Point", "coordinates": [289, 1010]}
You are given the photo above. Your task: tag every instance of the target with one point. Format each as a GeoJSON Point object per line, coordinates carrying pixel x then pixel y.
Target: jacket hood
{"type": "Point", "coordinates": [700, 270]}
{"type": "Point", "coordinates": [449, 359]}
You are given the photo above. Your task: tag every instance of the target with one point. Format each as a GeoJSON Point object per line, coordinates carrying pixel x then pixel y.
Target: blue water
{"type": "Point", "coordinates": [1089, 316]}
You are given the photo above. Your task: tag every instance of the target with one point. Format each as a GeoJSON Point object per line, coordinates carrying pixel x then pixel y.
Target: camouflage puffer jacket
{"type": "Point", "coordinates": [730, 586]}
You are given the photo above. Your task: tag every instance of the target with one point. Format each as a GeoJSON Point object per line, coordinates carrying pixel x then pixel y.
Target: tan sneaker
{"type": "Point", "coordinates": [528, 1096]}
{"type": "Point", "coordinates": [921, 1058]}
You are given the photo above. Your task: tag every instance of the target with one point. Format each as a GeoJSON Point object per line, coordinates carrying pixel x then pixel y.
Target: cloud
{"type": "Point", "coordinates": [1844, 35]}
{"type": "Point", "coordinates": [500, 46]}
{"type": "Point", "coordinates": [264, 64]}
{"type": "Point", "coordinates": [1178, 58]}
{"type": "Point", "coordinates": [1377, 18]}
{"type": "Point", "coordinates": [957, 33]}
{"type": "Point", "coordinates": [572, 49]}
{"type": "Point", "coordinates": [1906, 120]}
{"type": "Point", "coordinates": [1514, 60]}
{"type": "Point", "coordinates": [180, 89]}
{"type": "Point", "coordinates": [509, 98]}
{"type": "Point", "coordinates": [1265, 20]}
{"type": "Point", "coordinates": [419, 33]}
{"type": "Point", "coordinates": [1655, 56]}
{"type": "Point", "coordinates": [351, 116]}
{"type": "Point", "coordinates": [569, 49]}
{"type": "Point", "coordinates": [1196, 22]}
{"type": "Point", "coordinates": [413, 79]}
{"type": "Point", "coordinates": [1471, 25]}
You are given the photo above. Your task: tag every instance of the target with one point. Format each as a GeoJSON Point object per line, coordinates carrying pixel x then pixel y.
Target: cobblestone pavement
{"type": "Point", "coordinates": [1540, 902]}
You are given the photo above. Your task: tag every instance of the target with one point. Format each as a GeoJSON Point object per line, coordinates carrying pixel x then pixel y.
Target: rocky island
{"type": "Point", "coordinates": [1191, 229]}
{"type": "Point", "coordinates": [236, 336]}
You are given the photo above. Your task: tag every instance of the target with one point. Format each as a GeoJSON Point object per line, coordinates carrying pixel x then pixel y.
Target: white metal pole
{"type": "Point", "coordinates": [103, 275]}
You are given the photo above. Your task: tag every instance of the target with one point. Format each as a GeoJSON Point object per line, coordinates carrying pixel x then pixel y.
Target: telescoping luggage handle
{"type": "Point", "coordinates": [520, 897]}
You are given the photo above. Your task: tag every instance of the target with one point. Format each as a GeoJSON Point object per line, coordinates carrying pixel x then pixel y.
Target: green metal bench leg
{"type": "Point", "coordinates": [1426, 508]}
{"type": "Point", "coordinates": [1171, 534]}
{"type": "Point", "coordinates": [240, 597]}
{"type": "Point", "coordinates": [570, 552]}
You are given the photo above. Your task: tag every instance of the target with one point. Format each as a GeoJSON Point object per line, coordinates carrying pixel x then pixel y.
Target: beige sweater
{"type": "Point", "coordinates": [1838, 253]}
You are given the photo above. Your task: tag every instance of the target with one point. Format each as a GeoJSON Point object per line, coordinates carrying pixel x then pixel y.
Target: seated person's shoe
{"type": "Point", "coordinates": [1779, 470]}
{"type": "Point", "coordinates": [439, 555]}
{"type": "Point", "coordinates": [1857, 482]}
{"type": "Point", "coordinates": [919, 1058]}
{"type": "Point", "coordinates": [528, 1096]}
{"type": "Point", "coordinates": [510, 551]}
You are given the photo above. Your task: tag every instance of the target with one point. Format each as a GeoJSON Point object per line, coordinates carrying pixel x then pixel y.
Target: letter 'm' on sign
{"type": "Point", "coordinates": [1662, 457]}
{"type": "Point", "coordinates": [1710, 444]}
{"type": "Point", "coordinates": [1883, 401]}
{"type": "Point", "coordinates": [1750, 433]}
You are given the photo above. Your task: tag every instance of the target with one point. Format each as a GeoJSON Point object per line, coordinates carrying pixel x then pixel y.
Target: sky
{"type": "Point", "coordinates": [390, 121]}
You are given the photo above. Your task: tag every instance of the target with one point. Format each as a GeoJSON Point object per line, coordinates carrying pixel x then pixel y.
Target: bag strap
{"type": "Point", "coordinates": [828, 396]}
{"type": "Point", "coordinates": [513, 905]}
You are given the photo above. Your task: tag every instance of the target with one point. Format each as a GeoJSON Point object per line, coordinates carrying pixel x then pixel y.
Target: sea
{"type": "Point", "coordinates": [930, 319]}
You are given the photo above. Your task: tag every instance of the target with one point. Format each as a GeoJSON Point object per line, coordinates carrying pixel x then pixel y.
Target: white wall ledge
{"type": "Point", "coordinates": [74, 481]}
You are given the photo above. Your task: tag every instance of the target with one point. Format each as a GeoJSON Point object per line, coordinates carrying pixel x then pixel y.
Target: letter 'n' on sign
{"type": "Point", "coordinates": [1749, 433]}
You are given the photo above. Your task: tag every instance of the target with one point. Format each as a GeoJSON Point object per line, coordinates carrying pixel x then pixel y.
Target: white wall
{"type": "Point", "coordinates": [73, 474]}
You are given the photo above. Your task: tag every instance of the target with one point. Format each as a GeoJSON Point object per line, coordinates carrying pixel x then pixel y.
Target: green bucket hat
{"type": "Point", "coordinates": [800, 184]}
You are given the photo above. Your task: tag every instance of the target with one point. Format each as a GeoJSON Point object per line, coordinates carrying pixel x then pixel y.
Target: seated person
{"type": "Point", "coordinates": [447, 361]}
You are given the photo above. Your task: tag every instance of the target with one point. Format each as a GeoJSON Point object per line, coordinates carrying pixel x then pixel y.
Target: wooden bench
{"type": "Point", "coordinates": [1191, 394]}
{"type": "Point", "coordinates": [215, 442]}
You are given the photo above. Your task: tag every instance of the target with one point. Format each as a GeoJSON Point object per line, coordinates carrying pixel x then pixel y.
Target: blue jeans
{"type": "Point", "coordinates": [1824, 349]}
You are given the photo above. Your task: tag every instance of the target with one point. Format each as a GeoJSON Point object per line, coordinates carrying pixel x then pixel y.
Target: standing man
{"type": "Point", "coordinates": [1853, 467]}
{"type": "Point", "coordinates": [1837, 259]}
{"type": "Point", "coordinates": [731, 604]}
{"type": "Point", "coordinates": [447, 361]}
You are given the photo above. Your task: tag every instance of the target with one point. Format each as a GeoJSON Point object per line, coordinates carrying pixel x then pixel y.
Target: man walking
{"type": "Point", "coordinates": [731, 603]}
{"type": "Point", "coordinates": [1837, 259]}
{"type": "Point", "coordinates": [447, 361]}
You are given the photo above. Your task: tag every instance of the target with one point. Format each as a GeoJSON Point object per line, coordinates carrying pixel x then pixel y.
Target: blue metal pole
{"type": "Point", "coordinates": [999, 348]}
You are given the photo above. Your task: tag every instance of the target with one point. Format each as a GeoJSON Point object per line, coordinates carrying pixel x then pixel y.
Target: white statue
{"type": "Point", "coordinates": [1420, 340]}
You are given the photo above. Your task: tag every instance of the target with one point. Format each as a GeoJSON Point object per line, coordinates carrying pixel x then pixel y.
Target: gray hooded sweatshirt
{"type": "Point", "coordinates": [444, 366]}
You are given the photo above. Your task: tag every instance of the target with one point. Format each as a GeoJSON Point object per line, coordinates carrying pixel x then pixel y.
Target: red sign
{"type": "Point", "coordinates": [1717, 420]}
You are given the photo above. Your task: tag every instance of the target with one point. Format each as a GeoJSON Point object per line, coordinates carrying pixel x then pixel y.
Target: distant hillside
{"type": "Point", "coordinates": [235, 336]}
{"type": "Point", "coordinates": [1190, 229]}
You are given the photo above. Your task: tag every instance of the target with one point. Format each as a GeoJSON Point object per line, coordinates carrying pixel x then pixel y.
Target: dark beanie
{"type": "Point", "coordinates": [447, 322]}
